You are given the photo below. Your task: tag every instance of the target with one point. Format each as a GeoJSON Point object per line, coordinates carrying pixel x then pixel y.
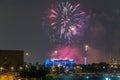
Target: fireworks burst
{"type": "Point", "coordinates": [65, 21]}
{"type": "Point", "coordinates": [67, 52]}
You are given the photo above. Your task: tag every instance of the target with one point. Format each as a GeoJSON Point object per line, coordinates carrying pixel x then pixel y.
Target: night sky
{"type": "Point", "coordinates": [21, 28]}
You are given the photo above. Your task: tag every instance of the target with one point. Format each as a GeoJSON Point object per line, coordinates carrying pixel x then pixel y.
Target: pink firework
{"type": "Point", "coordinates": [67, 52]}
{"type": "Point", "coordinates": [66, 21]}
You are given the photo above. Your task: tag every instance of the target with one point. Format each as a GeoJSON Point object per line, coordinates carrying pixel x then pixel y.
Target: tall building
{"type": "Point", "coordinates": [11, 58]}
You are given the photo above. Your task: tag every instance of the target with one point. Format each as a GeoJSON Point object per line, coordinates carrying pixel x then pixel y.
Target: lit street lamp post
{"type": "Point", "coordinates": [85, 54]}
{"type": "Point", "coordinates": [59, 66]}
{"type": "Point", "coordinates": [27, 55]}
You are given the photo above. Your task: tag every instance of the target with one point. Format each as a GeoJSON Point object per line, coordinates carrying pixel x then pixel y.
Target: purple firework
{"type": "Point", "coordinates": [66, 21]}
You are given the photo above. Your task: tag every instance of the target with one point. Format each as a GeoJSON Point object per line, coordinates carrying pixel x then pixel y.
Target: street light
{"type": "Point", "coordinates": [85, 55]}
{"type": "Point", "coordinates": [1, 68]}
{"type": "Point", "coordinates": [55, 53]}
{"type": "Point", "coordinates": [12, 68]}
{"type": "Point", "coordinates": [86, 47]}
{"type": "Point", "coordinates": [27, 55]}
{"type": "Point", "coordinates": [59, 66]}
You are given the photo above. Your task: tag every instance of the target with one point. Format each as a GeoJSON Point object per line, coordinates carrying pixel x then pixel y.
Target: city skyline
{"type": "Point", "coordinates": [21, 28]}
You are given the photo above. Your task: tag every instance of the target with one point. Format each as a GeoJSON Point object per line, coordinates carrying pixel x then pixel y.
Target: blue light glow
{"type": "Point", "coordinates": [64, 63]}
